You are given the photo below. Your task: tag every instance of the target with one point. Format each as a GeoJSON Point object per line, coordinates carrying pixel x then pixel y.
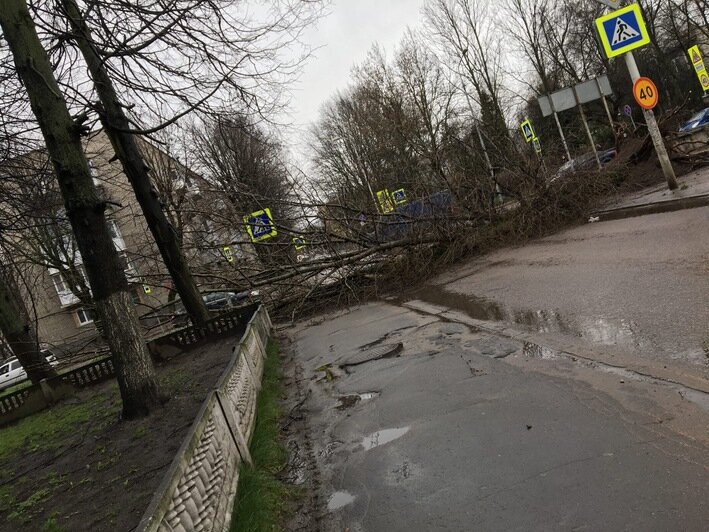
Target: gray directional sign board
{"type": "Point", "coordinates": [564, 99]}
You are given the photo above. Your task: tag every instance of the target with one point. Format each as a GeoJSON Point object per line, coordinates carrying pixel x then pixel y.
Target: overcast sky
{"type": "Point", "coordinates": [344, 37]}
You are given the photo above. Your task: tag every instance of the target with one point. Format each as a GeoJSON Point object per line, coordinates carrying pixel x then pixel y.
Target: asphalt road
{"type": "Point", "coordinates": [464, 429]}
{"type": "Point", "coordinates": [640, 284]}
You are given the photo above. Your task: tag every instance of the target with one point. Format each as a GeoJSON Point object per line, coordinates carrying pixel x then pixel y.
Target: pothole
{"type": "Point", "coordinates": [348, 401]}
{"type": "Point", "coordinates": [378, 353]}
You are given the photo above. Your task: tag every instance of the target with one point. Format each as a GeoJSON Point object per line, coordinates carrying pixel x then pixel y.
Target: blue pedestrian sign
{"type": "Point", "coordinates": [399, 196]}
{"type": "Point", "coordinates": [622, 31]}
{"type": "Point", "coordinates": [260, 225]}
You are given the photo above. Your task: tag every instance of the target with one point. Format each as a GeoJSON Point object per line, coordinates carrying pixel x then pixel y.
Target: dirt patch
{"type": "Point", "coordinates": [79, 467]}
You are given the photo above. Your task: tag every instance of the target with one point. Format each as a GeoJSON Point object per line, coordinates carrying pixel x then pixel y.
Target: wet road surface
{"type": "Point", "coordinates": [640, 284]}
{"type": "Point", "coordinates": [418, 420]}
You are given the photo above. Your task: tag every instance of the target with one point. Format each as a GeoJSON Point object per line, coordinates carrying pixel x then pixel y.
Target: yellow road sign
{"type": "Point", "coordinates": [704, 80]}
{"type": "Point", "coordinates": [298, 242]}
{"type": "Point", "coordinates": [260, 225]}
{"type": "Point", "coordinates": [527, 130]}
{"type": "Point", "coordinates": [537, 145]}
{"type": "Point", "coordinates": [695, 56]}
{"type": "Point", "coordinates": [385, 201]}
{"type": "Point", "coordinates": [622, 31]}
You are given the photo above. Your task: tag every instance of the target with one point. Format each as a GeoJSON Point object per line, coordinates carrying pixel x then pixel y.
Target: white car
{"type": "Point", "coordinates": [12, 372]}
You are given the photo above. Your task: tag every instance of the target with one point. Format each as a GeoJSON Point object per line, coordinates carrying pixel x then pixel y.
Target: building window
{"type": "Point", "coordinates": [60, 284]}
{"type": "Point", "coordinates": [84, 316]}
{"type": "Point", "coordinates": [116, 236]}
{"type": "Point", "coordinates": [66, 296]}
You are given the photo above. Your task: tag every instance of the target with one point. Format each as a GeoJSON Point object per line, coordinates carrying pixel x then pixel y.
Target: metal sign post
{"type": "Point", "coordinates": [561, 133]}
{"type": "Point", "coordinates": [588, 130]}
{"type": "Point", "coordinates": [653, 129]}
{"type": "Point", "coordinates": [629, 113]}
{"type": "Point", "coordinates": [621, 32]}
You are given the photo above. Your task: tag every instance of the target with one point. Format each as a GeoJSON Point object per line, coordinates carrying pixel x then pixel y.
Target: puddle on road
{"type": "Point", "coordinates": [339, 499]}
{"type": "Point", "coordinates": [383, 436]}
{"type": "Point", "coordinates": [599, 330]}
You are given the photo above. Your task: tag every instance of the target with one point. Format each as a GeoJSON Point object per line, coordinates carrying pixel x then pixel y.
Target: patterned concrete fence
{"type": "Point", "coordinates": [197, 493]}
{"type": "Point", "coordinates": [32, 399]}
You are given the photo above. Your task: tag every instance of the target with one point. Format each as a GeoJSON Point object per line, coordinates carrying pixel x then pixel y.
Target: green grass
{"type": "Point", "coordinates": [25, 510]}
{"type": "Point", "coordinates": [45, 429]}
{"type": "Point", "coordinates": [262, 499]}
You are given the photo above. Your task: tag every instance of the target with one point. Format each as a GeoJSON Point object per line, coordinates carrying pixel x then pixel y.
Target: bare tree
{"type": "Point", "coordinates": [18, 330]}
{"type": "Point", "coordinates": [85, 210]}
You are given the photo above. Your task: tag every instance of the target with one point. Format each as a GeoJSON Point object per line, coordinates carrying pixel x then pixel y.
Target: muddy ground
{"type": "Point", "coordinates": [96, 472]}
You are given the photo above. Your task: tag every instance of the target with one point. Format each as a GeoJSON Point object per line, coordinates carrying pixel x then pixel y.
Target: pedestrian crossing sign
{"type": "Point", "coordinates": [527, 130]}
{"type": "Point", "coordinates": [260, 225]}
{"type": "Point", "coordinates": [622, 31]}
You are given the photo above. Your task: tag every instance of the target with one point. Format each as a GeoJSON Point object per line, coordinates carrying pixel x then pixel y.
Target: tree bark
{"type": "Point", "coordinates": [116, 125]}
{"type": "Point", "coordinates": [18, 331]}
{"type": "Point", "coordinates": [134, 370]}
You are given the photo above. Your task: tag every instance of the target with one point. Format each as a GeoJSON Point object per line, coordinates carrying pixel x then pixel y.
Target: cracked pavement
{"type": "Point", "coordinates": [469, 429]}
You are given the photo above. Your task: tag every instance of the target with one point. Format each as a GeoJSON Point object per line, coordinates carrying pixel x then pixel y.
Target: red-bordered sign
{"type": "Point", "coordinates": [646, 93]}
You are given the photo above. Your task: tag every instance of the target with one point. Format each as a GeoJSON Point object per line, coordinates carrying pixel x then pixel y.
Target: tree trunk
{"type": "Point", "coordinates": [18, 331]}
{"type": "Point", "coordinates": [116, 125]}
{"type": "Point", "coordinates": [136, 376]}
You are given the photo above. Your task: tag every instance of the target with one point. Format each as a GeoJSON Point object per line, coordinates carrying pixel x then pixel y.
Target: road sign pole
{"type": "Point", "coordinates": [608, 111]}
{"type": "Point", "coordinates": [588, 130]}
{"type": "Point", "coordinates": [487, 157]}
{"type": "Point", "coordinates": [561, 132]}
{"type": "Point", "coordinates": [653, 129]}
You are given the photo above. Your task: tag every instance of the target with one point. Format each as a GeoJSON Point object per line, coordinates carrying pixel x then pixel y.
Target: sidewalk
{"type": "Point", "coordinates": [693, 192]}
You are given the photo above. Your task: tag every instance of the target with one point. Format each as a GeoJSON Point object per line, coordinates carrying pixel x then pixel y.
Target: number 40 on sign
{"type": "Point", "coordinates": [645, 93]}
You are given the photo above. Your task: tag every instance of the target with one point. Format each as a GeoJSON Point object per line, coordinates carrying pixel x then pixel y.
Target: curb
{"type": "Point", "coordinates": [678, 204]}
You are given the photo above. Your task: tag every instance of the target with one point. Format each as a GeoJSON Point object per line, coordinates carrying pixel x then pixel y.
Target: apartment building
{"type": "Point", "coordinates": [57, 290]}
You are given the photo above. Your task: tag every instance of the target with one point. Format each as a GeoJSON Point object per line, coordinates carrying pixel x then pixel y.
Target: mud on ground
{"type": "Point", "coordinates": [92, 471]}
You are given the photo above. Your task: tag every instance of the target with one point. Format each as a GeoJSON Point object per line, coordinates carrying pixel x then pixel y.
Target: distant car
{"type": "Point", "coordinates": [220, 300]}
{"type": "Point", "coordinates": [214, 301]}
{"type": "Point", "coordinates": [701, 119]}
{"type": "Point", "coordinates": [584, 162]}
{"type": "Point", "coordinates": [12, 372]}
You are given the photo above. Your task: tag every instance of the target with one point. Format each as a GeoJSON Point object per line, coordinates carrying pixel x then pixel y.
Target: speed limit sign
{"type": "Point", "coordinates": [645, 93]}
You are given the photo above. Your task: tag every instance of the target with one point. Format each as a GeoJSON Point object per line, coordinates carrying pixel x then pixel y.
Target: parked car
{"type": "Point", "coordinates": [220, 300]}
{"type": "Point", "coordinates": [12, 372]}
{"type": "Point", "coordinates": [587, 161]}
{"type": "Point", "coordinates": [215, 301]}
{"type": "Point", "coordinates": [701, 119]}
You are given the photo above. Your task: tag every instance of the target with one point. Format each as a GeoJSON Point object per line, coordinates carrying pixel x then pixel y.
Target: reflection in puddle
{"type": "Point", "coordinates": [368, 395]}
{"type": "Point", "coordinates": [339, 499]}
{"type": "Point", "coordinates": [383, 436]}
{"type": "Point", "coordinates": [600, 330]}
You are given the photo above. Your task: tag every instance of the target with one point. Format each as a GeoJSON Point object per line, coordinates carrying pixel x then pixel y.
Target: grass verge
{"type": "Point", "coordinates": [262, 498]}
